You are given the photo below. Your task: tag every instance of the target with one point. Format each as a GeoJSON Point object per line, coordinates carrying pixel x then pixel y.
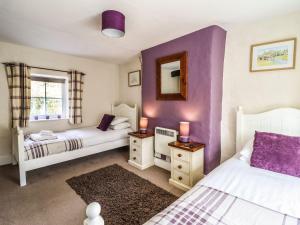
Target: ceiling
{"type": "Point", "coordinates": [73, 26]}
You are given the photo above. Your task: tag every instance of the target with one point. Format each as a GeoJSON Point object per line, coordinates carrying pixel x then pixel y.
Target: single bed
{"type": "Point", "coordinates": [71, 144]}
{"type": "Point", "coordinates": [71, 140]}
{"type": "Point", "coordinates": [236, 193]}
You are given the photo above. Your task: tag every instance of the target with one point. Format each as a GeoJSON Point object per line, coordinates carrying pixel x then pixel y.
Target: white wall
{"type": "Point", "coordinates": [130, 95]}
{"type": "Point", "coordinates": [258, 91]}
{"type": "Point", "coordinates": [100, 87]}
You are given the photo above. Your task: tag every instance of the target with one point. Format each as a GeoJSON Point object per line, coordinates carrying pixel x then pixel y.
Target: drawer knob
{"type": "Point", "coordinates": [134, 158]}
{"type": "Point", "coordinates": [179, 178]}
{"type": "Point", "coordinates": [134, 150]}
{"type": "Point", "coordinates": [179, 155]}
{"type": "Point", "coordinates": [179, 166]}
{"type": "Point", "coordinates": [134, 141]}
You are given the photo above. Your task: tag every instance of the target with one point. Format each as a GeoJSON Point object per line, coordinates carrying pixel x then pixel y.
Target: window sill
{"type": "Point", "coordinates": [44, 120]}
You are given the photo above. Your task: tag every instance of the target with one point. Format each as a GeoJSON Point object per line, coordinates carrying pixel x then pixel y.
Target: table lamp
{"type": "Point", "coordinates": [184, 132]}
{"type": "Point", "coordinates": [143, 125]}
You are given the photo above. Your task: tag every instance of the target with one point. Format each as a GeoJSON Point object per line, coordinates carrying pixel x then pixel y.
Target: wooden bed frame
{"type": "Point", "coordinates": [24, 166]}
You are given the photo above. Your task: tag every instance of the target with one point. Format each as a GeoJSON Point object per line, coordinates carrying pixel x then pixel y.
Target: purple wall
{"type": "Point", "coordinates": [203, 107]}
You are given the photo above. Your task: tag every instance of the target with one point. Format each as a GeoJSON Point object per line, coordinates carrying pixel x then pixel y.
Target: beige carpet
{"type": "Point", "coordinates": [49, 200]}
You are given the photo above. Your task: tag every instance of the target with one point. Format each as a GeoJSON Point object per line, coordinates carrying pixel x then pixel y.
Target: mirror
{"type": "Point", "coordinates": [171, 77]}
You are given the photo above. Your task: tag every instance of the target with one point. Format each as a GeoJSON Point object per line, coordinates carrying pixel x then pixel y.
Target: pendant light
{"type": "Point", "coordinates": [113, 24]}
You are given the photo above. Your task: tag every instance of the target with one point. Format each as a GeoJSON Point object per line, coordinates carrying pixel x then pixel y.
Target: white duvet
{"type": "Point", "coordinates": [93, 136]}
{"type": "Point", "coordinates": [272, 190]}
{"type": "Point", "coordinates": [90, 136]}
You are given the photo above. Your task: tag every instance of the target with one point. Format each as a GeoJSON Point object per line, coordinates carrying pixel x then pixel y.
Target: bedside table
{"type": "Point", "coordinates": [141, 153]}
{"type": "Point", "coordinates": [186, 164]}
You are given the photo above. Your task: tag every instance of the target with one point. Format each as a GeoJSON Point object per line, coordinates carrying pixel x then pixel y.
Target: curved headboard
{"type": "Point", "coordinates": [280, 120]}
{"type": "Point", "coordinates": [127, 111]}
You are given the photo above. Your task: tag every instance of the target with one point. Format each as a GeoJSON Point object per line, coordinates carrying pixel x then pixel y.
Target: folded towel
{"type": "Point", "coordinates": [46, 133]}
{"type": "Point", "coordinates": [39, 137]}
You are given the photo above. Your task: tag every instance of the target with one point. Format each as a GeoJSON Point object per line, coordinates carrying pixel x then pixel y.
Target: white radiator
{"type": "Point", "coordinates": [163, 136]}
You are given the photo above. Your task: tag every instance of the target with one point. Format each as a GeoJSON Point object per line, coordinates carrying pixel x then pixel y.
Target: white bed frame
{"type": "Point", "coordinates": [24, 166]}
{"type": "Point", "coordinates": [280, 120]}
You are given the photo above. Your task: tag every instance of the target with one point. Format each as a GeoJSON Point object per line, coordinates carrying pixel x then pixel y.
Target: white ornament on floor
{"type": "Point", "coordinates": [93, 214]}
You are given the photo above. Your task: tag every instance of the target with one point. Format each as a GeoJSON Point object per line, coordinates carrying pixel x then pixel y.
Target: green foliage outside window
{"type": "Point", "coordinates": [46, 99]}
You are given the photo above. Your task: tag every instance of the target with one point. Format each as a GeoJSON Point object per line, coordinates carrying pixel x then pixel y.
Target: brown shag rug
{"type": "Point", "coordinates": [125, 198]}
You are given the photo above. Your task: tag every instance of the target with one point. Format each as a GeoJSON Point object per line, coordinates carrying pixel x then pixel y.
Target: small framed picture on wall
{"type": "Point", "coordinates": [275, 55]}
{"type": "Point", "coordinates": [134, 78]}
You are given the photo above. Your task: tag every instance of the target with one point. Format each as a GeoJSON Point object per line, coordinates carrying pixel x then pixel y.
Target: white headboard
{"type": "Point", "coordinates": [280, 120]}
{"type": "Point", "coordinates": [127, 111]}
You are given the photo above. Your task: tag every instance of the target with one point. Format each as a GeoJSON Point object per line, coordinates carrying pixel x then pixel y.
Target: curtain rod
{"type": "Point", "coordinates": [43, 68]}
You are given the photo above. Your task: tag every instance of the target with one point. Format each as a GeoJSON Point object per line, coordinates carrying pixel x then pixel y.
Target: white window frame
{"type": "Point", "coordinates": [65, 97]}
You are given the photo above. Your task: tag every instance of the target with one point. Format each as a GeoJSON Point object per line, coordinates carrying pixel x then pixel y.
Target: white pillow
{"type": "Point", "coordinates": [118, 119]}
{"type": "Point", "coordinates": [120, 126]}
{"type": "Point", "coordinates": [246, 152]}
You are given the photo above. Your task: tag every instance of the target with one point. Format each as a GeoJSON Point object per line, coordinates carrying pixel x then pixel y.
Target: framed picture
{"type": "Point", "coordinates": [276, 55]}
{"type": "Point", "coordinates": [134, 78]}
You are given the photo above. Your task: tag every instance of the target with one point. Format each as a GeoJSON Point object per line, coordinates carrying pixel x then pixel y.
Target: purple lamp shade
{"type": "Point", "coordinates": [113, 24]}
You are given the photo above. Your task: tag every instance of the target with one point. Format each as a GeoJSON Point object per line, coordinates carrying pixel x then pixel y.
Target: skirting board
{"type": "Point", "coordinates": [162, 164]}
{"type": "Point", "coordinates": [5, 159]}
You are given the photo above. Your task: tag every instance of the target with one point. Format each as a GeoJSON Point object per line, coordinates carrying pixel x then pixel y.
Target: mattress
{"type": "Point", "coordinates": [71, 140]}
{"type": "Point", "coordinates": [237, 194]}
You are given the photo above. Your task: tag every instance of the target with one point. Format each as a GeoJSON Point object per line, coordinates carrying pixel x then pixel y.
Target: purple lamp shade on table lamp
{"type": "Point", "coordinates": [113, 24]}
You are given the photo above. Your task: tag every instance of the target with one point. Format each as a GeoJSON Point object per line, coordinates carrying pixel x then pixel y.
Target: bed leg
{"type": "Point", "coordinates": [18, 147]}
{"type": "Point", "coordinates": [22, 173]}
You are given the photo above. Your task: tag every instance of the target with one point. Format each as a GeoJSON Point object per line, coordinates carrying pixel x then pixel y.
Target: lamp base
{"type": "Point", "coordinates": [143, 131]}
{"type": "Point", "coordinates": [184, 139]}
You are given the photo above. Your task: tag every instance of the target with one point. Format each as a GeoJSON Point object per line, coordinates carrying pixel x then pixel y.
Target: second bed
{"type": "Point", "coordinates": [236, 193]}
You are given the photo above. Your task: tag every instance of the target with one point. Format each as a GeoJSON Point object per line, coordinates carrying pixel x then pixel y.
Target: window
{"type": "Point", "coordinates": [48, 98]}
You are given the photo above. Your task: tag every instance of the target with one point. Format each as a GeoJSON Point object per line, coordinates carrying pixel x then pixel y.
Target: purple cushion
{"type": "Point", "coordinates": [276, 152]}
{"type": "Point", "coordinates": [105, 122]}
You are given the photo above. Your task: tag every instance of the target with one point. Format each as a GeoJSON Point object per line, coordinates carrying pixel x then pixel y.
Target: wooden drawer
{"type": "Point", "coordinates": [135, 149]}
{"type": "Point", "coordinates": [181, 177]}
{"type": "Point", "coordinates": [181, 155]}
{"type": "Point", "coordinates": [181, 166]}
{"type": "Point", "coordinates": [135, 141]}
{"type": "Point", "coordinates": [135, 157]}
